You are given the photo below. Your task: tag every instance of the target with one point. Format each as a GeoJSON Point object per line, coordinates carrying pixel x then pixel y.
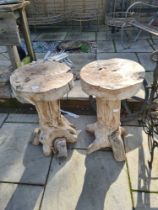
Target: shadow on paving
{"type": "Point", "coordinates": [27, 196]}
{"type": "Point", "coordinates": [90, 182]}
{"type": "Point", "coordinates": [144, 180]}
{"type": "Point", "coordinates": [97, 182]}
{"type": "Point", "coordinates": [24, 168]}
{"type": "Point", "coordinates": [144, 200]}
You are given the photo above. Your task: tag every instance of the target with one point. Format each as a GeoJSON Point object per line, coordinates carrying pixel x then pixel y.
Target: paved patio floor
{"type": "Point", "coordinates": [104, 46]}
{"type": "Point", "coordinates": [30, 181]}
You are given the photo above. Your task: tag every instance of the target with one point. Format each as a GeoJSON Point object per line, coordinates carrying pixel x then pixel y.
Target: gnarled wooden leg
{"type": "Point", "coordinates": [117, 145]}
{"type": "Point", "coordinates": [36, 134]}
{"type": "Point", "coordinates": [53, 126]}
{"type": "Point", "coordinates": [107, 129]}
{"type": "Point", "coordinates": [101, 133]}
{"type": "Point", "coordinates": [61, 148]}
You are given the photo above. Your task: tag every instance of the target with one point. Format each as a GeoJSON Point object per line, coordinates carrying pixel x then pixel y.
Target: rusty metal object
{"type": "Point", "coordinates": [150, 115]}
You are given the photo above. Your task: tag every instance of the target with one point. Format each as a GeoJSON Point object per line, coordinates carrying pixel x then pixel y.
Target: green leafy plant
{"type": "Point", "coordinates": [85, 47]}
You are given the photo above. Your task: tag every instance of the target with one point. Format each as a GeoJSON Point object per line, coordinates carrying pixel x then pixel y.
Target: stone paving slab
{"type": "Point", "coordinates": [131, 56]}
{"type": "Point", "coordinates": [2, 118]}
{"type": "Point", "coordinates": [89, 36]}
{"type": "Point", "coordinates": [133, 122]}
{"type": "Point", "coordinates": [108, 35]}
{"type": "Point", "coordinates": [76, 92]}
{"type": "Point", "coordinates": [20, 161]}
{"type": "Point", "coordinates": [137, 151]}
{"type": "Point", "coordinates": [85, 138]}
{"type": "Point", "coordinates": [140, 94]}
{"type": "Point", "coordinates": [80, 123]}
{"type": "Point", "coordinates": [3, 49]}
{"type": "Point", "coordinates": [102, 28]}
{"type": "Point", "coordinates": [20, 197]}
{"type": "Point", "coordinates": [143, 35]}
{"type": "Point", "coordinates": [5, 91]}
{"type": "Point", "coordinates": [113, 36]}
{"type": "Point", "coordinates": [138, 46]}
{"type": "Point", "coordinates": [90, 182]}
{"type": "Point", "coordinates": [102, 36]}
{"type": "Point", "coordinates": [52, 36]}
{"type": "Point", "coordinates": [4, 61]}
{"type": "Point", "coordinates": [149, 77]}
{"type": "Point", "coordinates": [154, 44]}
{"type": "Point", "coordinates": [34, 35]}
{"type": "Point", "coordinates": [81, 59]}
{"type": "Point", "coordinates": [40, 55]}
{"type": "Point", "coordinates": [154, 37]}
{"type": "Point", "coordinates": [145, 201]}
{"type": "Point", "coordinates": [22, 118]}
{"type": "Point", "coordinates": [105, 46]}
{"type": "Point", "coordinates": [145, 60]}
{"type": "Point", "coordinates": [5, 73]}
{"type": "Point", "coordinates": [133, 34]}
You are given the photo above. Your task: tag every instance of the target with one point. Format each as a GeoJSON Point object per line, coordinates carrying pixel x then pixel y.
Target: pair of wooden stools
{"type": "Point", "coordinates": [44, 83]}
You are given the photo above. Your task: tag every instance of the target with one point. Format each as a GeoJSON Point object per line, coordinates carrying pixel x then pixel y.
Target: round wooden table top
{"type": "Point", "coordinates": [41, 78]}
{"type": "Point", "coordinates": [113, 78]}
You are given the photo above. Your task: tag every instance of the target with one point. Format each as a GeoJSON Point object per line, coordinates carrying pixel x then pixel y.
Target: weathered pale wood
{"type": "Point", "coordinates": [43, 84]}
{"type": "Point", "coordinates": [107, 129]}
{"type": "Point", "coordinates": [52, 126]}
{"type": "Point", "coordinates": [42, 81]}
{"type": "Point", "coordinates": [117, 145]}
{"type": "Point", "coordinates": [26, 33]}
{"type": "Point", "coordinates": [110, 81]}
{"type": "Point", "coordinates": [60, 146]}
{"type": "Point", "coordinates": [13, 7]}
{"type": "Point", "coordinates": [14, 56]}
{"type": "Point", "coordinates": [9, 34]}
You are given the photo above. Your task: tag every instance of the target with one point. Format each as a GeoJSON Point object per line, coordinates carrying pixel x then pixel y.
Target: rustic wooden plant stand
{"type": "Point", "coordinates": [43, 84]}
{"type": "Point", "coordinates": [110, 81]}
{"type": "Point", "coordinates": [9, 32]}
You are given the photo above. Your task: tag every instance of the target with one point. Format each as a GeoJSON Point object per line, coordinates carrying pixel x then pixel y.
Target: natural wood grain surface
{"type": "Point", "coordinates": [53, 127]}
{"type": "Point", "coordinates": [9, 34]}
{"type": "Point", "coordinates": [40, 78]}
{"type": "Point", "coordinates": [107, 130]}
{"type": "Point", "coordinates": [13, 7]}
{"type": "Point", "coordinates": [113, 78]}
{"type": "Point", "coordinates": [26, 33]}
{"type": "Point", "coordinates": [110, 81]}
{"type": "Point", "coordinates": [43, 83]}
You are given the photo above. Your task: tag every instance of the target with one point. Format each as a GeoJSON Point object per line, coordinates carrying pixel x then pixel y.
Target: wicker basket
{"type": "Point", "coordinates": [43, 12]}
